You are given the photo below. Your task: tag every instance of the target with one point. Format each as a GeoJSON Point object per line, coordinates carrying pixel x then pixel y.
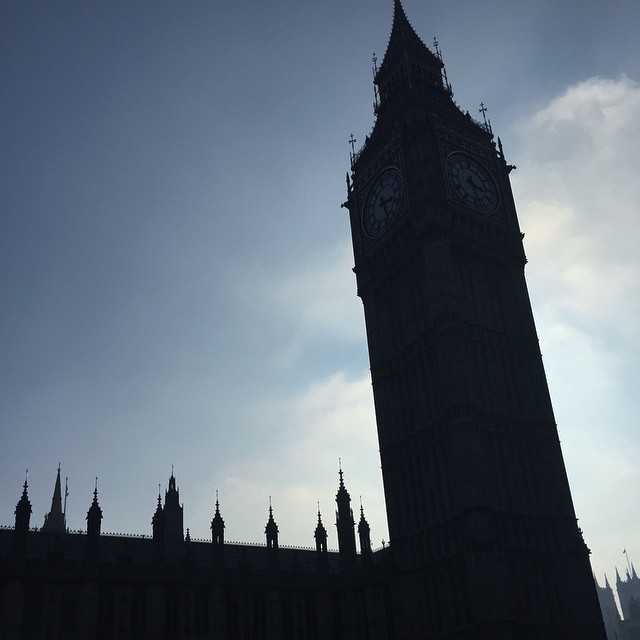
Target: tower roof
{"type": "Point", "coordinates": [271, 527]}
{"type": "Point", "coordinates": [217, 524]}
{"type": "Point", "coordinates": [95, 512]}
{"type": "Point", "coordinates": [403, 41]}
{"type": "Point", "coordinates": [54, 521]}
{"type": "Point", "coordinates": [24, 505]}
{"type": "Point", "coordinates": [320, 532]}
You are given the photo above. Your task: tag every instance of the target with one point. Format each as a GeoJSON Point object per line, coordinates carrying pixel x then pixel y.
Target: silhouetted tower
{"type": "Point", "coordinates": [158, 524]}
{"type": "Point", "coordinates": [271, 530]}
{"type": "Point", "coordinates": [629, 594]}
{"type": "Point", "coordinates": [471, 461]}
{"type": "Point", "coordinates": [55, 521]}
{"type": "Point", "coordinates": [23, 517]}
{"type": "Point", "coordinates": [345, 525]}
{"type": "Point", "coordinates": [320, 535]}
{"type": "Point", "coordinates": [217, 533]}
{"type": "Point", "coordinates": [364, 534]}
{"type": "Point", "coordinates": [271, 534]}
{"type": "Point", "coordinates": [610, 613]}
{"type": "Point", "coordinates": [94, 524]}
{"type": "Point", "coordinates": [173, 518]}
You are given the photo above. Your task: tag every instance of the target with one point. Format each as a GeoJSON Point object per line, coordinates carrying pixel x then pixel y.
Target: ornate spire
{"type": "Point", "coordinates": [217, 526]}
{"type": "Point", "coordinates": [271, 530]}
{"type": "Point", "coordinates": [157, 523]}
{"type": "Point", "coordinates": [94, 523]}
{"type": "Point", "coordinates": [364, 533]}
{"type": "Point", "coordinates": [55, 521]}
{"type": "Point", "coordinates": [24, 506]}
{"type": "Point", "coordinates": [95, 512]}
{"type": "Point", "coordinates": [320, 534]}
{"type": "Point", "coordinates": [345, 524]}
{"type": "Point", "coordinates": [408, 63]}
{"type": "Point", "coordinates": [173, 515]}
{"type": "Point", "coordinates": [23, 517]}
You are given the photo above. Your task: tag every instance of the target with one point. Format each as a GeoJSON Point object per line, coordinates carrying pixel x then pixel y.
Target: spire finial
{"type": "Point", "coordinates": [487, 123]}
{"type": "Point", "coordinates": [352, 154]}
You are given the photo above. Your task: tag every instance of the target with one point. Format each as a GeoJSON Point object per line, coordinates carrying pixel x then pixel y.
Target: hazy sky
{"type": "Point", "coordinates": [175, 267]}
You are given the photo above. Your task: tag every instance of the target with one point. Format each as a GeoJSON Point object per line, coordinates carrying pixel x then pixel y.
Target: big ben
{"type": "Point", "coordinates": [484, 536]}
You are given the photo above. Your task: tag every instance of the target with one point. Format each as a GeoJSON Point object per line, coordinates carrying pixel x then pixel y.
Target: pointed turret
{"type": "Point", "coordinates": [217, 526]}
{"type": "Point", "coordinates": [23, 517]}
{"type": "Point", "coordinates": [271, 533]}
{"type": "Point", "coordinates": [606, 582]}
{"type": "Point", "coordinates": [320, 535]}
{"type": "Point", "coordinates": [618, 579]}
{"type": "Point", "coordinates": [217, 535]}
{"type": "Point", "coordinates": [173, 517]}
{"type": "Point", "coordinates": [345, 525]}
{"type": "Point", "coordinates": [94, 524]}
{"type": "Point", "coordinates": [408, 65]}
{"type": "Point", "coordinates": [271, 530]}
{"type": "Point", "coordinates": [157, 523]}
{"type": "Point", "coordinates": [364, 533]}
{"type": "Point", "coordinates": [55, 521]}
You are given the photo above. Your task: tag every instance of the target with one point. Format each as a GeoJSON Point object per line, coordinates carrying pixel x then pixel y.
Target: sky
{"type": "Point", "coordinates": [175, 266]}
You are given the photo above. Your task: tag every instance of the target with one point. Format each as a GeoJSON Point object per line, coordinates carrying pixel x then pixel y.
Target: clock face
{"type": "Point", "coordinates": [471, 183]}
{"type": "Point", "coordinates": [383, 202]}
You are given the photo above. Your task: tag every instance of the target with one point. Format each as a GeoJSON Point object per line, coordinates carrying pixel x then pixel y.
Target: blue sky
{"type": "Point", "coordinates": [176, 282]}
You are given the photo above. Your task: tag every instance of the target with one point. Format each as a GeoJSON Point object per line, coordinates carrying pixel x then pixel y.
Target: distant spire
{"type": "Point", "coordinates": [364, 533]}
{"type": "Point", "coordinates": [606, 582]}
{"type": "Point", "coordinates": [618, 579]}
{"type": "Point", "coordinates": [23, 517]}
{"type": "Point", "coordinates": [320, 534]}
{"type": "Point", "coordinates": [94, 523]}
{"type": "Point", "coordinates": [54, 521]}
{"type": "Point", "coordinates": [271, 530]}
{"type": "Point", "coordinates": [345, 524]}
{"type": "Point", "coordinates": [157, 523]}
{"type": "Point", "coordinates": [217, 526]}
{"type": "Point", "coordinates": [173, 517]}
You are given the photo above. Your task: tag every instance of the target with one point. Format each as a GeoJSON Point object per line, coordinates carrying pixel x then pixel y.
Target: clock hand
{"type": "Point", "coordinates": [384, 202]}
{"type": "Point", "coordinates": [472, 182]}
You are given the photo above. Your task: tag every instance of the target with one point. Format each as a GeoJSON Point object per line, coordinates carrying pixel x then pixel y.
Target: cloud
{"type": "Point", "coordinates": [333, 418]}
{"type": "Point", "coordinates": [579, 203]}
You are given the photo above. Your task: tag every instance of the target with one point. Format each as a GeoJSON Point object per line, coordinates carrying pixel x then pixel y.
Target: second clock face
{"type": "Point", "coordinates": [383, 202]}
{"type": "Point", "coordinates": [471, 183]}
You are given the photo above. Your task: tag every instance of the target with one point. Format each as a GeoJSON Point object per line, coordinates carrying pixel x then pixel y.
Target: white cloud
{"type": "Point", "coordinates": [579, 204]}
{"type": "Point", "coordinates": [331, 419]}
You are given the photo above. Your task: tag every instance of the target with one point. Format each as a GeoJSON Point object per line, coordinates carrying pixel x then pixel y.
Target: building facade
{"type": "Point", "coordinates": [484, 540]}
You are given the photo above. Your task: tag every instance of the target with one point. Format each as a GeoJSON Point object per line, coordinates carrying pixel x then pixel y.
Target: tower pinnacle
{"type": "Point", "coordinates": [55, 521]}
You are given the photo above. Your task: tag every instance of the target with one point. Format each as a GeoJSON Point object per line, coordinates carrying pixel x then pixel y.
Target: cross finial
{"type": "Point", "coordinates": [483, 111]}
{"type": "Point", "coordinates": [352, 155]}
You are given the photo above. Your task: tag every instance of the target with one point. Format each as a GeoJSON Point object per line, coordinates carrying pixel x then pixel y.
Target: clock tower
{"type": "Point", "coordinates": [484, 537]}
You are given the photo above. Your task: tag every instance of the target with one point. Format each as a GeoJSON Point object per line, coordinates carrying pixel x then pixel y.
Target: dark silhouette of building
{"type": "Point", "coordinates": [627, 627]}
{"type": "Point", "coordinates": [484, 539]}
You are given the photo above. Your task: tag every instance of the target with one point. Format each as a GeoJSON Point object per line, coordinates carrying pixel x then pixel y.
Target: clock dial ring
{"type": "Point", "coordinates": [471, 183]}
{"type": "Point", "coordinates": [383, 202]}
